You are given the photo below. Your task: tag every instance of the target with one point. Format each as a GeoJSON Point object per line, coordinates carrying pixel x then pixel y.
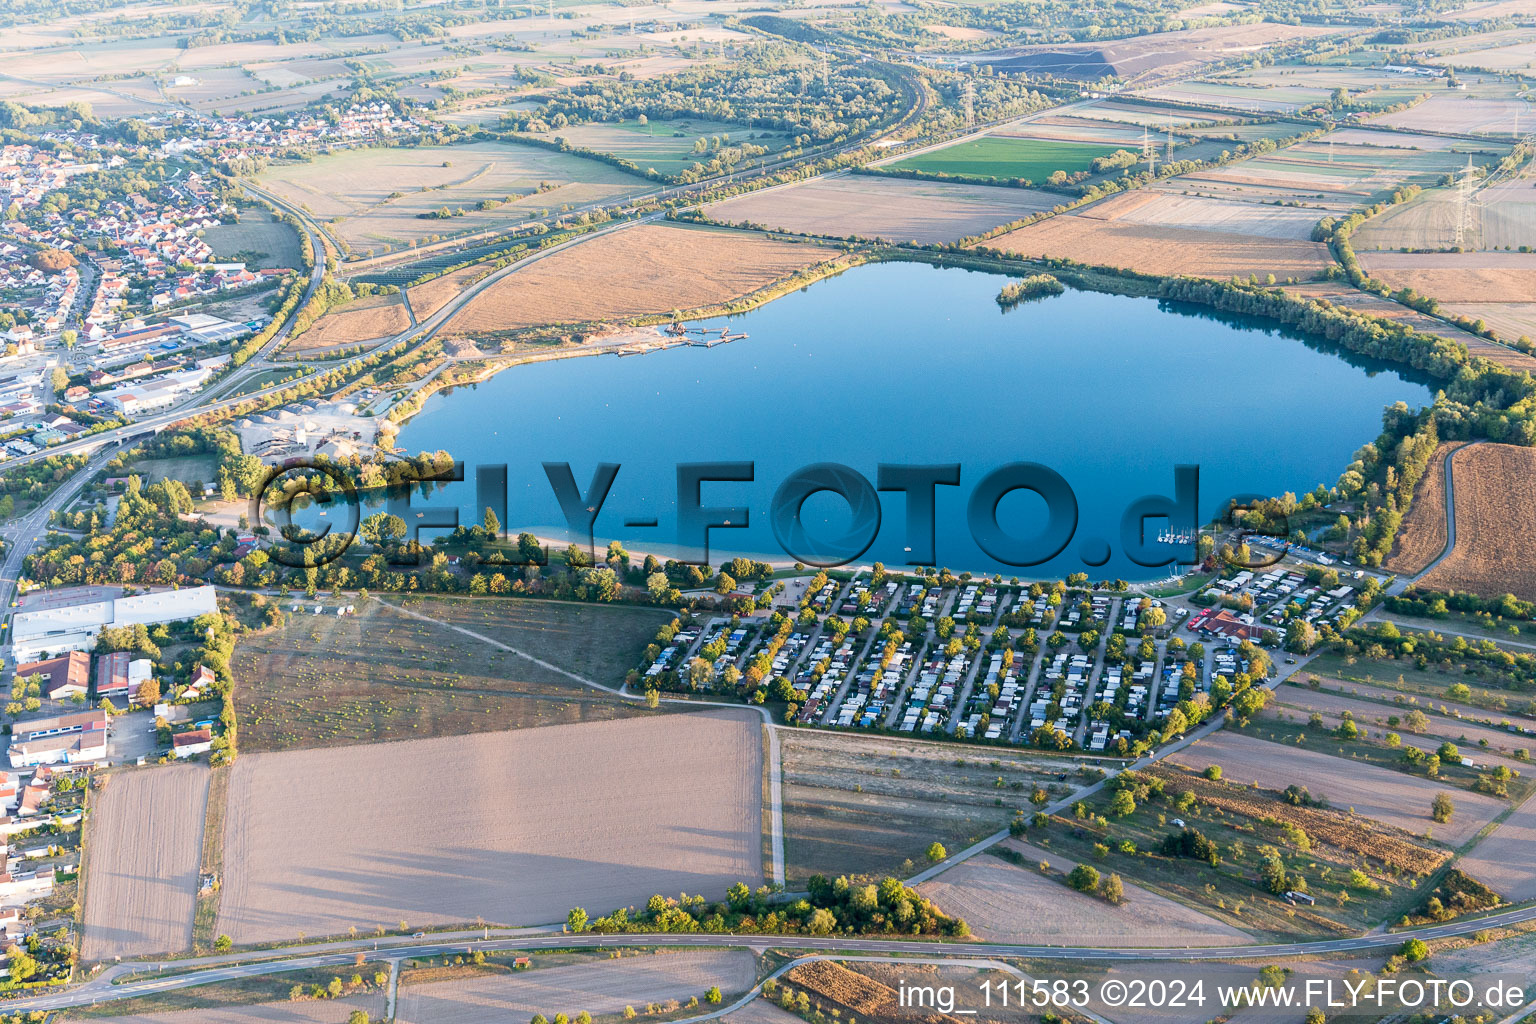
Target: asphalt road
{"type": "Point", "coordinates": [210, 969]}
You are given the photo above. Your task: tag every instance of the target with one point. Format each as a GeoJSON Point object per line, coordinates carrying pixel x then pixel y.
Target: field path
{"type": "Point", "coordinates": [1450, 512]}
{"type": "Point", "coordinates": [775, 786]}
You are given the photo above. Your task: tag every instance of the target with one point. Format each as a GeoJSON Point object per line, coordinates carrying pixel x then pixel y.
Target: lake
{"type": "Point", "coordinates": [913, 364]}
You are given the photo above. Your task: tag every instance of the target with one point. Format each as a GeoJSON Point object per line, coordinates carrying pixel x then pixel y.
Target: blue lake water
{"type": "Point", "coordinates": [909, 363]}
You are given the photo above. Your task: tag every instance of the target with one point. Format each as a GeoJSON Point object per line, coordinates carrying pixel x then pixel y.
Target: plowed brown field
{"type": "Point", "coordinates": [601, 987]}
{"type": "Point", "coordinates": [512, 827]}
{"type": "Point", "coordinates": [145, 840]}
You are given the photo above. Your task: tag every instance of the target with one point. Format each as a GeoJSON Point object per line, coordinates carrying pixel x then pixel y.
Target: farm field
{"type": "Point", "coordinates": [1236, 95]}
{"type": "Point", "coordinates": [1154, 117]}
{"type": "Point", "coordinates": [1427, 686]}
{"type": "Point", "coordinates": [666, 147]}
{"type": "Point", "coordinates": [378, 316]}
{"type": "Point", "coordinates": [1198, 213]}
{"type": "Point", "coordinates": [252, 999]}
{"type": "Point", "coordinates": [1502, 216]}
{"type": "Point", "coordinates": [1004, 902]}
{"type": "Point", "coordinates": [1421, 537]}
{"type": "Point", "coordinates": [1391, 797]}
{"type": "Point", "coordinates": [892, 209]}
{"type": "Point", "coordinates": [310, 684]}
{"type": "Point", "coordinates": [375, 199]}
{"type": "Point", "coordinates": [760, 1011]}
{"type": "Point", "coordinates": [257, 232]}
{"type": "Point", "coordinates": [1167, 52]}
{"type": "Point", "coordinates": [528, 825]}
{"type": "Point", "coordinates": [1318, 170]}
{"type": "Point", "coordinates": [1297, 702]}
{"type": "Point", "coordinates": [864, 805]}
{"type": "Point", "coordinates": [430, 296]}
{"type": "Point", "coordinates": [1511, 321]}
{"type": "Point", "coordinates": [309, 1011]}
{"type": "Point", "coordinates": [145, 840]}
{"type": "Point", "coordinates": [1160, 250]}
{"type": "Point", "coordinates": [1495, 546]}
{"type": "Point", "coordinates": [1376, 305]}
{"type": "Point", "coordinates": [1486, 108]}
{"type": "Point", "coordinates": [1067, 128]}
{"type": "Point", "coordinates": [1002, 156]}
{"type": "Point", "coordinates": [600, 643]}
{"type": "Point", "coordinates": [1517, 57]}
{"type": "Point", "coordinates": [645, 269]}
{"type": "Point", "coordinates": [1458, 277]}
{"type": "Point", "coordinates": [1502, 860]}
{"type": "Point", "coordinates": [600, 987]}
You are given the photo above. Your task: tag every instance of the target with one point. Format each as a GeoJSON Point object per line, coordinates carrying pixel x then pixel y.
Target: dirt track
{"type": "Point", "coordinates": [515, 828]}
{"type": "Point", "coordinates": [1495, 545]}
{"type": "Point", "coordinates": [604, 986]}
{"type": "Point", "coordinates": [145, 844]}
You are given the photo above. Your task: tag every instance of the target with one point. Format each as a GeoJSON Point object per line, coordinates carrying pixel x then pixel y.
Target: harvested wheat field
{"type": "Point", "coordinates": [1387, 796]}
{"type": "Point", "coordinates": [1503, 860]}
{"type": "Point", "coordinates": [512, 827]}
{"type": "Point", "coordinates": [1457, 277]}
{"type": "Point", "coordinates": [1421, 537]}
{"type": "Point", "coordinates": [1447, 111]}
{"type": "Point", "coordinates": [646, 269]}
{"type": "Point", "coordinates": [760, 1011]}
{"type": "Point", "coordinates": [1511, 321]}
{"type": "Point", "coordinates": [1201, 213]}
{"type": "Point", "coordinates": [599, 987]}
{"type": "Point", "coordinates": [378, 316]}
{"type": "Point", "coordinates": [893, 209]}
{"type": "Point", "coordinates": [146, 842]}
{"type": "Point", "coordinates": [1495, 497]}
{"type": "Point", "coordinates": [429, 297]}
{"type": "Point", "coordinates": [307, 1011]}
{"type": "Point", "coordinates": [1163, 250]}
{"type": "Point", "coordinates": [1004, 902]}
{"type": "Point", "coordinates": [1376, 305]}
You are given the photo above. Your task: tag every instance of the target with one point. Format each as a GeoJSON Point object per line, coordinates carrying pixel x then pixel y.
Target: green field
{"type": "Point", "coordinates": [259, 235]}
{"type": "Point", "coordinates": [1033, 159]}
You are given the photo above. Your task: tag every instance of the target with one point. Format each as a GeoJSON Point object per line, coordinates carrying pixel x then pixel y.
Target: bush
{"type": "Point", "coordinates": [1084, 878]}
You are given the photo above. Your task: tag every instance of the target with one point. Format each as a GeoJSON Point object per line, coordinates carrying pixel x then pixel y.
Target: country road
{"type": "Point", "coordinates": [204, 970]}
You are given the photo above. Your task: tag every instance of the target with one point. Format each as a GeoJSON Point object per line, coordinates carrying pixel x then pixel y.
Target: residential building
{"type": "Point", "coordinates": [187, 744]}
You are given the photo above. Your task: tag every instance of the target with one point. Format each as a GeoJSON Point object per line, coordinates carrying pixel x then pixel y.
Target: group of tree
{"type": "Point", "coordinates": [839, 906]}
